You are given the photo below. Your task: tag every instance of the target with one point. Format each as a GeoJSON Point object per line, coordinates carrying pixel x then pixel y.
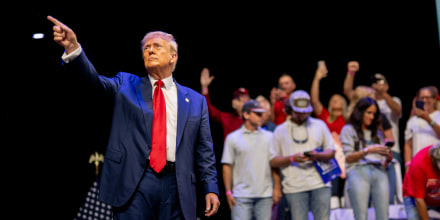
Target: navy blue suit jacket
{"type": "Point", "coordinates": [130, 138]}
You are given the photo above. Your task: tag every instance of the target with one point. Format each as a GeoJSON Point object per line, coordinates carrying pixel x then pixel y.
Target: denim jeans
{"type": "Point", "coordinates": [245, 208]}
{"type": "Point", "coordinates": [317, 200]}
{"type": "Point", "coordinates": [364, 181]}
{"type": "Point", "coordinates": [391, 172]}
{"type": "Point", "coordinates": [411, 209]}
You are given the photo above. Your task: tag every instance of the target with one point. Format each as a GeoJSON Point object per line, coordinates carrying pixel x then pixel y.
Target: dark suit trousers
{"type": "Point", "coordinates": [156, 198]}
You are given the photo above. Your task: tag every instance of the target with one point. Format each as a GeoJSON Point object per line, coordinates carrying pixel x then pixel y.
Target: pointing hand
{"type": "Point", "coordinates": [63, 35]}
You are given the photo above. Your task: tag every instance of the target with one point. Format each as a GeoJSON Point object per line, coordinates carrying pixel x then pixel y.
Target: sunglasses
{"type": "Point", "coordinates": [258, 113]}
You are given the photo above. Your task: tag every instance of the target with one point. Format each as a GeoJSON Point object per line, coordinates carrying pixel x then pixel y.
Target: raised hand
{"type": "Point", "coordinates": [205, 79]}
{"type": "Point", "coordinates": [63, 35]}
{"type": "Point", "coordinates": [353, 66]}
{"type": "Point", "coordinates": [321, 71]}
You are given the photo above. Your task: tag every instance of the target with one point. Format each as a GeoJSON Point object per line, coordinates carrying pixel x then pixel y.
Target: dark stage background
{"type": "Point", "coordinates": [52, 123]}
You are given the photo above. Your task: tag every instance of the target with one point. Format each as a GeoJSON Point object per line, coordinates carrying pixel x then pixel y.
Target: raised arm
{"type": "Point", "coordinates": [64, 36]}
{"type": "Point", "coordinates": [320, 73]}
{"type": "Point", "coordinates": [352, 68]}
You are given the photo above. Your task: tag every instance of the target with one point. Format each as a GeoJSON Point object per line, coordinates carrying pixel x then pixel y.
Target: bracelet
{"type": "Point", "coordinates": [364, 152]}
{"type": "Point", "coordinates": [432, 123]}
{"type": "Point", "coordinates": [228, 192]}
{"type": "Point", "coordinates": [205, 90]}
{"type": "Point", "coordinates": [291, 158]}
{"type": "Point", "coordinates": [407, 163]}
{"type": "Point", "coordinates": [351, 72]}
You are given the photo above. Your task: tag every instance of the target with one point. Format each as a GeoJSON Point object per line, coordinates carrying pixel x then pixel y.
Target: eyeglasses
{"type": "Point", "coordinates": [426, 97]}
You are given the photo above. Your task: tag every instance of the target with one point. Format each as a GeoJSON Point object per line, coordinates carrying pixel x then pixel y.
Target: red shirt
{"type": "Point", "coordinates": [279, 114]}
{"type": "Point", "coordinates": [229, 121]}
{"type": "Point", "coordinates": [421, 181]}
{"type": "Point", "coordinates": [336, 125]}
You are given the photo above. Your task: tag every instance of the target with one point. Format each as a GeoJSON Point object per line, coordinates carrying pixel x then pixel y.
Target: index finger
{"type": "Point", "coordinates": [54, 21]}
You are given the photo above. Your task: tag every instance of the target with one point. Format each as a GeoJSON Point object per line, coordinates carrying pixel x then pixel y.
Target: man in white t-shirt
{"type": "Point", "coordinates": [247, 174]}
{"type": "Point", "coordinates": [301, 183]}
{"type": "Point", "coordinates": [391, 107]}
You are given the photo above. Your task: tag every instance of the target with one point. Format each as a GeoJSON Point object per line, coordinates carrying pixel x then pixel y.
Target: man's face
{"type": "Point", "coordinates": [237, 103]}
{"type": "Point", "coordinates": [286, 84]}
{"type": "Point", "coordinates": [157, 54]}
{"type": "Point", "coordinates": [254, 118]}
{"type": "Point", "coordinates": [299, 117]}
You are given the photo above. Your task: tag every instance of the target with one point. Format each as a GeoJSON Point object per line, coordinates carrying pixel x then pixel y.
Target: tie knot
{"type": "Point", "coordinates": [159, 83]}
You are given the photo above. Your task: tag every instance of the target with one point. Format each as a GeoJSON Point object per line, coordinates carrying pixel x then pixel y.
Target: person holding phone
{"type": "Point", "coordinates": [391, 110]}
{"type": "Point", "coordinates": [367, 157]}
{"type": "Point", "coordinates": [422, 128]}
{"type": "Point", "coordinates": [302, 185]}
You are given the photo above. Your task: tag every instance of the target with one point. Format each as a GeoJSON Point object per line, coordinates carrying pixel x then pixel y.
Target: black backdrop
{"type": "Point", "coordinates": [52, 124]}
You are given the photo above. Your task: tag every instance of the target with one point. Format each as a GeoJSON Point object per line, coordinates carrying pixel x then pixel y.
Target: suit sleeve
{"type": "Point", "coordinates": [82, 68]}
{"type": "Point", "coordinates": [205, 156]}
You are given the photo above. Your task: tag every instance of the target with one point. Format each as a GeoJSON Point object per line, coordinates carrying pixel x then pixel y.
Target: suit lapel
{"type": "Point", "coordinates": [145, 99]}
{"type": "Point", "coordinates": [183, 104]}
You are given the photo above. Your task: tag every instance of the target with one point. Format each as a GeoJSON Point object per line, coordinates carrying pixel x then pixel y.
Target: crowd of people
{"type": "Point", "coordinates": [282, 157]}
{"type": "Point", "coordinates": [358, 128]}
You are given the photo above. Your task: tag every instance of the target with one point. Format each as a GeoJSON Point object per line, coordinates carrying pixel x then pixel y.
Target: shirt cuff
{"type": "Point", "coordinates": [67, 58]}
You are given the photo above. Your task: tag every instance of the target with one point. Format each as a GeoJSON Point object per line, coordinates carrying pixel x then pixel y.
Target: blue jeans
{"type": "Point", "coordinates": [411, 209]}
{"type": "Point", "coordinates": [391, 172]}
{"type": "Point", "coordinates": [317, 200]}
{"type": "Point", "coordinates": [245, 208]}
{"type": "Point", "coordinates": [364, 181]}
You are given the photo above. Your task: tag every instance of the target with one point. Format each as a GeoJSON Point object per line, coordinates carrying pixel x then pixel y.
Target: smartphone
{"type": "Point", "coordinates": [419, 104]}
{"type": "Point", "coordinates": [307, 153]}
{"type": "Point", "coordinates": [389, 143]}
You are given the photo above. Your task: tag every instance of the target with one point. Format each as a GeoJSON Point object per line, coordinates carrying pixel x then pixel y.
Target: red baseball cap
{"type": "Point", "coordinates": [239, 92]}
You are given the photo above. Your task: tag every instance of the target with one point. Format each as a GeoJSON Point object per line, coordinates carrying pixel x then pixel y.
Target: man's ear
{"type": "Point", "coordinates": [246, 115]}
{"type": "Point", "coordinates": [173, 58]}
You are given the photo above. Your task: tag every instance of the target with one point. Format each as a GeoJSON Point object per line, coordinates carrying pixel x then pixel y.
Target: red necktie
{"type": "Point", "coordinates": [158, 154]}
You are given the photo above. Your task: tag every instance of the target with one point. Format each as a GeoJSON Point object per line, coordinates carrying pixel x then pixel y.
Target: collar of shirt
{"type": "Point", "coordinates": [294, 124]}
{"type": "Point", "coordinates": [168, 82]}
{"type": "Point", "coordinates": [246, 131]}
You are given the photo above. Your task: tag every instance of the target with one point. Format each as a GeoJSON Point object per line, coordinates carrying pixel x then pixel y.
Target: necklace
{"type": "Point", "coordinates": [300, 141]}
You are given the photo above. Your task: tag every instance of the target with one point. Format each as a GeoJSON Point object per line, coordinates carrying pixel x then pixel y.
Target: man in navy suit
{"type": "Point", "coordinates": [128, 182]}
